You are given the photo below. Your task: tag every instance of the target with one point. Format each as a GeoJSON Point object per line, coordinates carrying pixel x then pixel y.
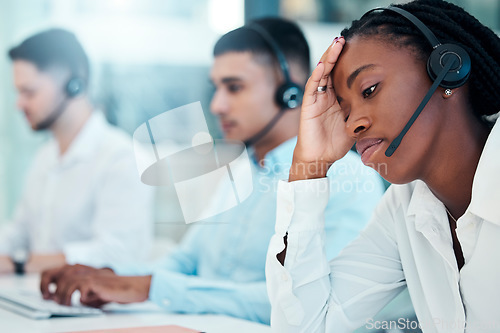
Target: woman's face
{"type": "Point", "coordinates": [379, 86]}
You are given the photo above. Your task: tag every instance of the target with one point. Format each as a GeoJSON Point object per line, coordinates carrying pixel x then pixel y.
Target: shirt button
{"type": "Point", "coordinates": [166, 302]}
{"type": "Point", "coordinates": [284, 277]}
{"type": "Point", "coordinates": [289, 208]}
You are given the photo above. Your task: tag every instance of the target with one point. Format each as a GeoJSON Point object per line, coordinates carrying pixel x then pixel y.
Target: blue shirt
{"type": "Point", "coordinates": [219, 265]}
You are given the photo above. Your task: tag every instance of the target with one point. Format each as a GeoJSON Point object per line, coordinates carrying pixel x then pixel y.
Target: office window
{"type": "Point", "coordinates": [147, 57]}
{"type": "Point", "coordinates": [486, 11]}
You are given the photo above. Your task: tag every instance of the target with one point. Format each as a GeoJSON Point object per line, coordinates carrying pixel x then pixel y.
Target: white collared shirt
{"type": "Point", "coordinates": [407, 243]}
{"type": "Point", "coordinates": [88, 203]}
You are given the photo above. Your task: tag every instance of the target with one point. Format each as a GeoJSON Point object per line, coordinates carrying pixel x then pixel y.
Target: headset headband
{"type": "Point", "coordinates": [274, 46]}
{"type": "Point", "coordinates": [429, 35]}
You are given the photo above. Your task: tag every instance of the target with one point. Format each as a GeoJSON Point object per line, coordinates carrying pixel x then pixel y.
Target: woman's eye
{"type": "Point", "coordinates": [367, 92]}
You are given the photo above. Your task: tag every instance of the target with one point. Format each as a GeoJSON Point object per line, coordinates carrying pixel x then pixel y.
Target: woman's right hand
{"type": "Point", "coordinates": [322, 138]}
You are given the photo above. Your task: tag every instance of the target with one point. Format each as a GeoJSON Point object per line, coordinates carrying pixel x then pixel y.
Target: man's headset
{"type": "Point", "coordinates": [288, 95]}
{"type": "Point", "coordinates": [448, 66]}
{"type": "Point", "coordinates": [73, 87]}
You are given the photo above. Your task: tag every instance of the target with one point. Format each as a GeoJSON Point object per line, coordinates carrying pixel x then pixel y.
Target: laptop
{"type": "Point", "coordinates": [31, 304]}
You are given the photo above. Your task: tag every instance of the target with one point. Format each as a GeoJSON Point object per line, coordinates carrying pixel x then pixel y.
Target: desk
{"type": "Point", "coordinates": [11, 322]}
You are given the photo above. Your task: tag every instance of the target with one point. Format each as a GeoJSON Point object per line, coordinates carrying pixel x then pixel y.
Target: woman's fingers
{"type": "Point", "coordinates": [320, 80]}
{"type": "Point", "coordinates": [311, 88]}
{"type": "Point", "coordinates": [330, 59]}
{"type": "Point", "coordinates": [325, 54]}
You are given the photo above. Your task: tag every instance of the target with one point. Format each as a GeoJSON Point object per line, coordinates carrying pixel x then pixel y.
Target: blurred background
{"type": "Point", "coordinates": [150, 56]}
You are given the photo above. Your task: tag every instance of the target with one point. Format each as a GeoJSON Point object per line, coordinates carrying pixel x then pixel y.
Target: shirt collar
{"type": "Point", "coordinates": [486, 186]}
{"type": "Point", "coordinates": [424, 205]}
{"type": "Point", "coordinates": [85, 143]}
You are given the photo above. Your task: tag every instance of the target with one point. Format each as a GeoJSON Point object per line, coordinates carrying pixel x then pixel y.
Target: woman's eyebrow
{"type": "Point", "coordinates": [355, 74]}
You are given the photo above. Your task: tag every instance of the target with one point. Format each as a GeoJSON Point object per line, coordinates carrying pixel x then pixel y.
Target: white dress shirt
{"type": "Point", "coordinates": [88, 203]}
{"type": "Point", "coordinates": [407, 243]}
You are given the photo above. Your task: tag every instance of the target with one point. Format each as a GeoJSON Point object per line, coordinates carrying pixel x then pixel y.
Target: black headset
{"type": "Point", "coordinates": [448, 66]}
{"type": "Point", "coordinates": [74, 87]}
{"type": "Point", "coordinates": [289, 94]}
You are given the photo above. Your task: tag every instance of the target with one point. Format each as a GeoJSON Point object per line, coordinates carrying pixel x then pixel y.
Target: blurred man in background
{"type": "Point", "coordinates": [258, 74]}
{"type": "Point", "coordinates": [83, 201]}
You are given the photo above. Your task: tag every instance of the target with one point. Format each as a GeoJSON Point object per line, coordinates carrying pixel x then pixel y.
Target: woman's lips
{"type": "Point", "coordinates": [366, 148]}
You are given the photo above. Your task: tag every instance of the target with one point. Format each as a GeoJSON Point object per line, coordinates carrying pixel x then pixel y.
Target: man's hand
{"type": "Point", "coordinates": [68, 272]}
{"type": "Point", "coordinates": [99, 289]}
{"type": "Point", "coordinates": [40, 262]}
{"type": "Point", "coordinates": [6, 265]}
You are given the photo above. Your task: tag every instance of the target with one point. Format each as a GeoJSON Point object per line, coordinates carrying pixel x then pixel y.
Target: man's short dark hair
{"type": "Point", "coordinates": [54, 48]}
{"type": "Point", "coordinates": [286, 34]}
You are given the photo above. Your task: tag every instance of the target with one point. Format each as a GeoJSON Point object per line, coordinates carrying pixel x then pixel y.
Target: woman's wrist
{"type": "Point", "coordinates": [308, 170]}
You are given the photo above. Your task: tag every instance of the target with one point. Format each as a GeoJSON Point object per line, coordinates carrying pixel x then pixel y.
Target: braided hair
{"type": "Point", "coordinates": [450, 24]}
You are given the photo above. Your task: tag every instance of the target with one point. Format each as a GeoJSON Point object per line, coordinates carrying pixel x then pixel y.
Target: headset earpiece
{"type": "Point", "coordinates": [460, 69]}
{"type": "Point", "coordinates": [289, 95]}
{"type": "Point", "coordinates": [74, 87]}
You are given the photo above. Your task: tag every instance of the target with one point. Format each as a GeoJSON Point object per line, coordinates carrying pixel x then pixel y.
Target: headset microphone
{"type": "Point", "coordinates": [264, 131]}
{"type": "Point", "coordinates": [395, 143]}
{"type": "Point", "coordinates": [448, 66]}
